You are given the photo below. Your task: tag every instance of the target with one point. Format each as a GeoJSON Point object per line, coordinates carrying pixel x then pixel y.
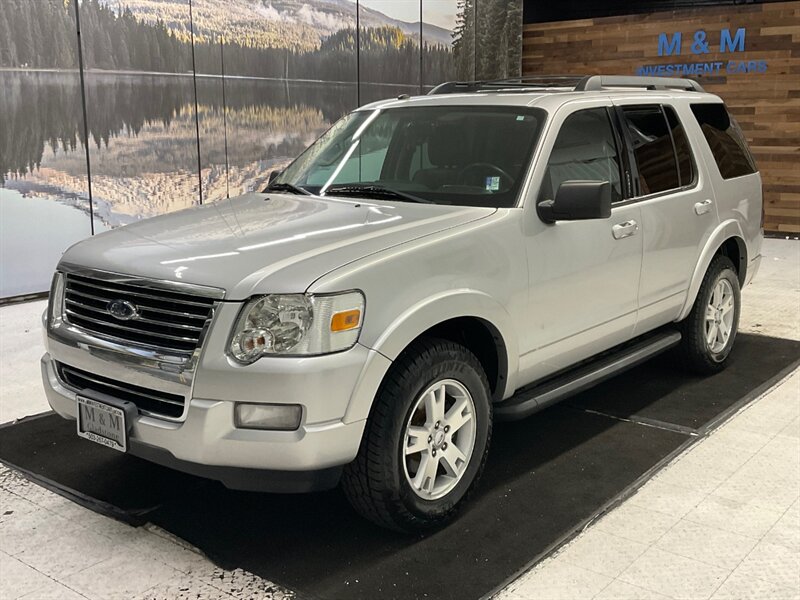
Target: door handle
{"type": "Point", "coordinates": [703, 207]}
{"type": "Point", "coordinates": [626, 229]}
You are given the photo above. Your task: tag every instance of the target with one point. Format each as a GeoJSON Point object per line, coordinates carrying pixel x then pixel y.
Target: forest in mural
{"type": "Point", "coordinates": [138, 45]}
{"type": "Point", "coordinates": [258, 79]}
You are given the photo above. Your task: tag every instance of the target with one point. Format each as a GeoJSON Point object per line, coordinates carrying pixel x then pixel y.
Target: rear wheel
{"type": "Point", "coordinates": [710, 329]}
{"type": "Point", "coordinates": [426, 440]}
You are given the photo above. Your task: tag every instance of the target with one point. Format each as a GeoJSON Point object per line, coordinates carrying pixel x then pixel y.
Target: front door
{"type": "Point", "coordinates": [584, 275]}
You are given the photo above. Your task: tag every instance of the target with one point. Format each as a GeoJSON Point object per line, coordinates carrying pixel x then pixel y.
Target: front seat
{"type": "Point", "coordinates": [447, 152]}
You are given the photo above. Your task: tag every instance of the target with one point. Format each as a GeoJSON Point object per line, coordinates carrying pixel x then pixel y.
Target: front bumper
{"type": "Point", "coordinates": [208, 444]}
{"type": "Point", "coordinates": [204, 440]}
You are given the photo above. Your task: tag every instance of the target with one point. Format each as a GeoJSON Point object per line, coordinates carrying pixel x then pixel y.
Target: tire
{"type": "Point", "coordinates": [698, 352]}
{"type": "Point", "coordinates": [390, 486]}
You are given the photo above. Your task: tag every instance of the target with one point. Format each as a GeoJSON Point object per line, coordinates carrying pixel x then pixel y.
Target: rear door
{"type": "Point", "coordinates": [676, 201]}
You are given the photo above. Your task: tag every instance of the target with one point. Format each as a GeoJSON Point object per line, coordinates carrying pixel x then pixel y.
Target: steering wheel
{"type": "Point", "coordinates": [485, 165]}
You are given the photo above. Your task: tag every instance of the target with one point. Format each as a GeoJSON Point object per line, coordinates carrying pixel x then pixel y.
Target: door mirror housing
{"type": "Point", "coordinates": [273, 176]}
{"type": "Point", "coordinates": [577, 201]}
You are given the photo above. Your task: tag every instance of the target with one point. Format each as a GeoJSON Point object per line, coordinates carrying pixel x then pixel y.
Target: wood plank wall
{"type": "Point", "coordinates": [767, 105]}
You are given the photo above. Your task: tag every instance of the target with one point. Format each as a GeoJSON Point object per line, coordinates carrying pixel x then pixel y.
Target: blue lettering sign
{"type": "Point", "coordinates": [729, 42]}
{"type": "Point", "coordinates": [700, 45]}
{"type": "Point", "coordinates": [667, 47]}
{"type": "Point", "coordinates": [726, 44]}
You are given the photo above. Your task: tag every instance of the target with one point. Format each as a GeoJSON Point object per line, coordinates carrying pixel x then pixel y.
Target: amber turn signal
{"type": "Point", "coordinates": [345, 320]}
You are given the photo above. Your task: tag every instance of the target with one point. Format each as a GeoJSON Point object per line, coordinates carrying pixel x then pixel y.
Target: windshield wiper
{"type": "Point", "coordinates": [373, 191]}
{"type": "Point", "coordinates": [286, 187]}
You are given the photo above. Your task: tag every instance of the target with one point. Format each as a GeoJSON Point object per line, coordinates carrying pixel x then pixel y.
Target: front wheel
{"type": "Point", "coordinates": [426, 439]}
{"type": "Point", "coordinates": [710, 328]}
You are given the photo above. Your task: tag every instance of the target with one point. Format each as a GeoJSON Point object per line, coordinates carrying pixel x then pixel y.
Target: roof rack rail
{"type": "Point", "coordinates": [578, 83]}
{"type": "Point", "coordinates": [602, 82]}
{"type": "Point", "coordinates": [525, 82]}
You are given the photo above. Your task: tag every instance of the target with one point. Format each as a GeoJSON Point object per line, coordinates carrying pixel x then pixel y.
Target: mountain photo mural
{"type": "Point", "coordinates": [197, 101]}
{"type": "Point", "coordinates": [40, 124]}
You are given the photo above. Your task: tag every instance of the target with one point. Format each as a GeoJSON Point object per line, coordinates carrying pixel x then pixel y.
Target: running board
{"type": "Point", "coordinates": [535, 397]}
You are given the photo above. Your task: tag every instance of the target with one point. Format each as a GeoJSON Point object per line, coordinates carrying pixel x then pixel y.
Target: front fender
{"type": "Point", "coordinates": [724, 231]}
{"type": "Point", "coordinates": [431, 311]}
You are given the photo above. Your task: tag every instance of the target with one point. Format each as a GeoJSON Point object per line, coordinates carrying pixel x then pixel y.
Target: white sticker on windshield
{"type": "Point", "coordinates": [492, 183]}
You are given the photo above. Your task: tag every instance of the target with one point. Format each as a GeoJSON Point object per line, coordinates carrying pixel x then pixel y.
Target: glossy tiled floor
{"type": "Point", "coordinates": [721, 521]}
{"type": "Point", "coordinates": [52, 548]}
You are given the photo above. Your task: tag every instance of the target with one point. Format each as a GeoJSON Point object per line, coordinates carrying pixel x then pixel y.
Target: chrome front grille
{"type": "Point", "coordinates": [129, 312]}
{"type": "Point", "coordinates": [148, 401]}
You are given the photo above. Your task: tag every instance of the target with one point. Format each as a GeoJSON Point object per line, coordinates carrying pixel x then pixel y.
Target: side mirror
{"type": "Point", "coordinates": [273, 176]}
{"type": "Point", "coordinates": [577, 201]}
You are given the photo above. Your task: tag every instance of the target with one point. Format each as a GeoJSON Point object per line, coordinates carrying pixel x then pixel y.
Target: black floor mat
{"type": "Point", "coordinates": [546, 475]}
{"type": "Point", "coordinates": [659, 392]}
{"type": "Point", "coordinates": [48, 450]}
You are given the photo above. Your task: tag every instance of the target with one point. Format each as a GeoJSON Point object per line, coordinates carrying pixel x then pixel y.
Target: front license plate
{"type": "Point", "coordinates": [102, 423]}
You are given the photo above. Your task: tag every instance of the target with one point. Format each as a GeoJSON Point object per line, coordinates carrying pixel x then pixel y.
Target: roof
{"type": "Point", "coordinates": [528, 91]}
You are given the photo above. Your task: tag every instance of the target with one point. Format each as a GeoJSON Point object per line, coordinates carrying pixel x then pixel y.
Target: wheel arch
{"type": "Point", "coordinates": [481, 338]}
{"type": "Point", "coordinates": [727, 240]}
{"type": "Point", "coordinates": [735, 249]}
{"type": "Point", "coordinates": [471, 318]}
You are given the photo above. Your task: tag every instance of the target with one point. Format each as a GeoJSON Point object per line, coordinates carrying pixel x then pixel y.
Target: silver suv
{"type": "Point", "coordinates": [428, 265]}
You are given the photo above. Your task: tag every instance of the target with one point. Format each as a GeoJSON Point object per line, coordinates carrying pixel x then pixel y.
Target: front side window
{"type": "Point", "coordinates": [726, 140]}
{"type": "Point", "coordinates": [652, 148]}
{"type": "Point", "coordinates": [585, 150]}
{"type": "Point", "coordinates": [461, 155]}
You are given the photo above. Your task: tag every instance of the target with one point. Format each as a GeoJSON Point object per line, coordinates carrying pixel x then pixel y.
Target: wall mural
{"type": "Point", "coordinates": [191, 101]}
{"type": "Point", "coordinates": [44, 205]}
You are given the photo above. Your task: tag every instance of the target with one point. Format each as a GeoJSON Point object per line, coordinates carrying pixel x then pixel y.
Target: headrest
{"type": "Point", "coordinates": [447, 145]}
{"type": "Point", "coordinates": [581, 153]}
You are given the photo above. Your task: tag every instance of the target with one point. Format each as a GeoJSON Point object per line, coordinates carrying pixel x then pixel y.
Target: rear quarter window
{"type": "Point", "coordinates": [725, 139]}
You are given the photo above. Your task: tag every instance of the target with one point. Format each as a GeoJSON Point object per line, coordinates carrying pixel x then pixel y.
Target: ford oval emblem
{"type": "Point", "coordinates": [122, 310]}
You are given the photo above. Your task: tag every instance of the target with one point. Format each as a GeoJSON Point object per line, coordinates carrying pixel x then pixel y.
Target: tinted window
{"type": "Point", "coordinates": [682, 149]}
{"type": "Point", "coordinates": [652, 148]}
{"type": "Point", "coordinates": [585, 150]}
{"type": "Point", "coordinates": [725, 139]}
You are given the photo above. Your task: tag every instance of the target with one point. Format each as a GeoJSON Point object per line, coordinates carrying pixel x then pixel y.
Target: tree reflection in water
{"type": "Point", "coordinates": [143, 149]}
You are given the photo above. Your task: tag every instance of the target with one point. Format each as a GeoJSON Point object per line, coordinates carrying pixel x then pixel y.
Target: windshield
{"type": "Point", "coordinates": [461, 155]}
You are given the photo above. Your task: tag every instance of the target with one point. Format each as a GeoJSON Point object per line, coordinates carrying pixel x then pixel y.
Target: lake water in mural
{"type": "Point", "coordinates": [143, 149]}
{"type": "Point", "coordinates": [29, 247]}
{"type": "Point", "coordinates": [159, 139]}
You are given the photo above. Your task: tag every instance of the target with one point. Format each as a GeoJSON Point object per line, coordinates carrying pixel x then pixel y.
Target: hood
{"type": "Point", "coordinates": [263, 243]}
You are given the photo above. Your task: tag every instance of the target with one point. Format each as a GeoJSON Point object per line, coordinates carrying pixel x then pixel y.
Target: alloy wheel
{"type": "Point", "coordinates": [439, 439]}
{"type": "Point", "coordinates": [719, 316]}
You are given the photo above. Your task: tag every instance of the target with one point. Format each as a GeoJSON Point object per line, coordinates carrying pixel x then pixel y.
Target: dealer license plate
{"type": "Point", "coordinates": [102, 423]}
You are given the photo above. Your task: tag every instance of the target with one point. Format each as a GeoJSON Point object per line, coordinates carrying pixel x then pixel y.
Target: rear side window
{"type": "Point", "coordinates": [652, 148]}
{"type": "Point", "coordinates": [585, 149]}
{"type": "Point", "coordinates": [683, 152]}
{"type": "Point", "coordinates": [726, 140]}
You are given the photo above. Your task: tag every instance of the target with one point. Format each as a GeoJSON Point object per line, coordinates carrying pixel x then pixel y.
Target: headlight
{"type": "Point", "coordinates": [297, 324]}
{"type": "Point", "coordinates": [56, 303]}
